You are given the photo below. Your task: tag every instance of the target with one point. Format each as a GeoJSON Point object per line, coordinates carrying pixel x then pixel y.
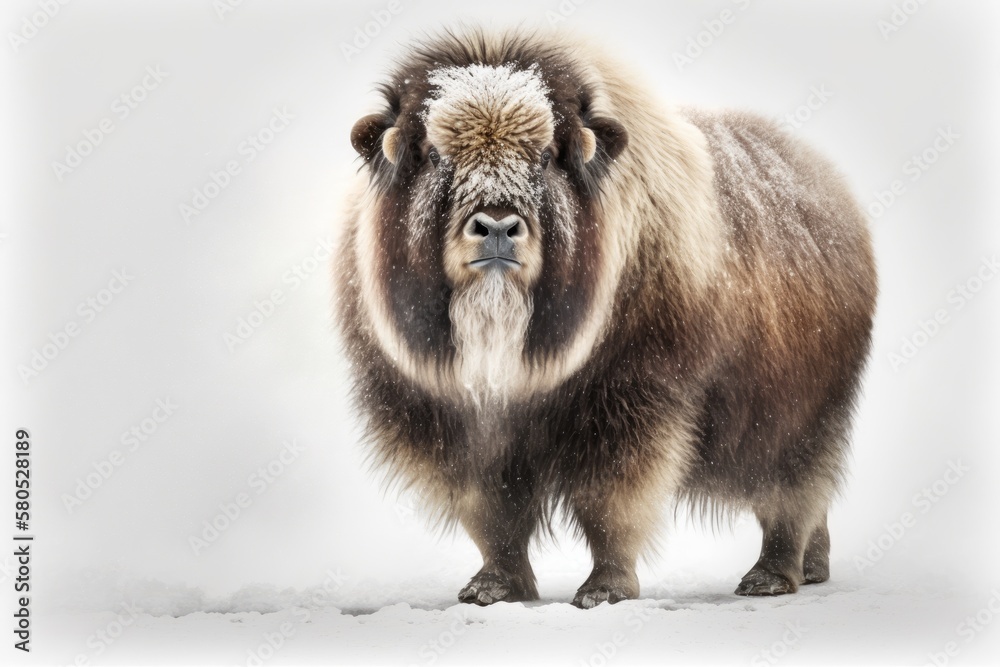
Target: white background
{"type": "Point", "coordinates": [162, 337]}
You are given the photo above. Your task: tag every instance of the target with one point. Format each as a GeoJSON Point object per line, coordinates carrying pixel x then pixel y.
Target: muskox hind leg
{"type": "Point", "coordinates": [502, 525]}
{"type": "Point", "coordinates": [795, 549]}
{"type": "Point", "coordinates": [816, 562]}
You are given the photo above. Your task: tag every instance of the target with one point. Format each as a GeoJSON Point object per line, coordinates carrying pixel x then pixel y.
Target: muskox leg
{"type": "Point", "coordinates": [816, 563]}
{"type": "Point", "coordinates": [501, 524]}
{"type": "Point", "coordinates": [792, 528]}
{"type": "Point", "coordinates": [616, 525]}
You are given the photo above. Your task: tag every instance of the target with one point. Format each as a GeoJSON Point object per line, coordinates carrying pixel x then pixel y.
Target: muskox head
{"type": "Point", "coordinates": [483, 216]}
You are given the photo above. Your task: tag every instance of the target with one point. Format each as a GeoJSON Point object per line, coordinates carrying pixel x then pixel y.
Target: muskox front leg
{"type": "Point", "coordinates": [616, 525]}
{"type": "Point", "coordinates": [501, 521]}
{"type": "Point", "coordinates": [795, 550]}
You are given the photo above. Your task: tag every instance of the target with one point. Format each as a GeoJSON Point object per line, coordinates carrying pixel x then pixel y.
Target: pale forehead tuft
{"type": "Point", "coordinates": [497, 101]}
{"type": "Point", "coordinates": [488, 87]}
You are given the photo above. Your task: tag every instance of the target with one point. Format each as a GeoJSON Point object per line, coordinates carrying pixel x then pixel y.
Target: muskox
{"type": "Point", "coordinates": [561, 296]}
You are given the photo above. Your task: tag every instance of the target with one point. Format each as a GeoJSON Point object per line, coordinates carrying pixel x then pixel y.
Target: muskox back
{"type": "Point", "coordinates": [559, 291]}
{"type": "Point", "coordinates": [801, 279]}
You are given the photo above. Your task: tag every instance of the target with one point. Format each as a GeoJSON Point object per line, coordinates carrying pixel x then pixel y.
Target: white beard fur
{"type": "Point", "coordinates": [489, 322]}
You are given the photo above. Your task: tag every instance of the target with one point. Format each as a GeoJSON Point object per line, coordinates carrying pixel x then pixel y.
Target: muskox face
{"type": "Point", "coordinates": [490, 134]}
{"type": "Point", "coordinates": [485, 185]}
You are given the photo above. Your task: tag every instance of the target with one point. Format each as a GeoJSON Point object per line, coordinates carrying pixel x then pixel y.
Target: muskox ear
{"type": "Point", "coordinates": [605, 134]}
{"type": "Point", "coordinates": [367, 134]}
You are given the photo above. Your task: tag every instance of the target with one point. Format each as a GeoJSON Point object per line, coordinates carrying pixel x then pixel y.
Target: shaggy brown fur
{"type": "Point", "coordinates": [684, 311]}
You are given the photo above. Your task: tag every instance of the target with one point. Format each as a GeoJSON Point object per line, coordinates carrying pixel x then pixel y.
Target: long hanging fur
{"type": "Point", "coordinates": [690, 321]}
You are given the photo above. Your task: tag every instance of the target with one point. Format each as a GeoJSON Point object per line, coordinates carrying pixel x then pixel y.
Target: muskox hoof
{"type": "Point", "coordinates": [588, 598]}
{"type": "Point", "coordinates": [488, 587]}
{"type": "Point", "coordinates": [606, 589]}
{"type": "Point", "coordinates": [761, 582]}
{"type": "Point", "coordinates": [815, 572]}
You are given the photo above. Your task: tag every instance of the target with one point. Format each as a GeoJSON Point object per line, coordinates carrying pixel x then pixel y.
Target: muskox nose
{"type": "Point", "coordinates": [486, 226]}
{"type": "Point", "coordinates": [498, 232]}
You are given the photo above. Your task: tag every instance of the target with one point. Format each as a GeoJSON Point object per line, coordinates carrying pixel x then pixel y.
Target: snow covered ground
{"type": "Point", "coordinates": [208, 373]}
{"type": "Point", "coordinates": [852, 619]}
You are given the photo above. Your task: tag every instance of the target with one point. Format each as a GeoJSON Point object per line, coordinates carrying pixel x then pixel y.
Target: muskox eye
{"type": "Point", "coordinates": [546, 158]}
{"type": "Point", "coordinates": [434, 156]}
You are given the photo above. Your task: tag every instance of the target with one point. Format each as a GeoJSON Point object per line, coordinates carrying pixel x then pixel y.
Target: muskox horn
{"type": "Point", "coordinates": [366, 133]}
{"type": "Point", "coordinates": [390, 142]}
{"type": "Point", "coordinates": [589, 142]}
{"type": "Point", "coordinates": [610, 135]}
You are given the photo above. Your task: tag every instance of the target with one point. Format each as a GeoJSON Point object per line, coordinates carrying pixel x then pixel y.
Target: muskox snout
{"type": "Point", "coordinates": [498, 232]}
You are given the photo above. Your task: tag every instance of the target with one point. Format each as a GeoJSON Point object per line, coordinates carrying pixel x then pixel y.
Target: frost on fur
{"type": "Point", "coordinates": [489, 121]}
